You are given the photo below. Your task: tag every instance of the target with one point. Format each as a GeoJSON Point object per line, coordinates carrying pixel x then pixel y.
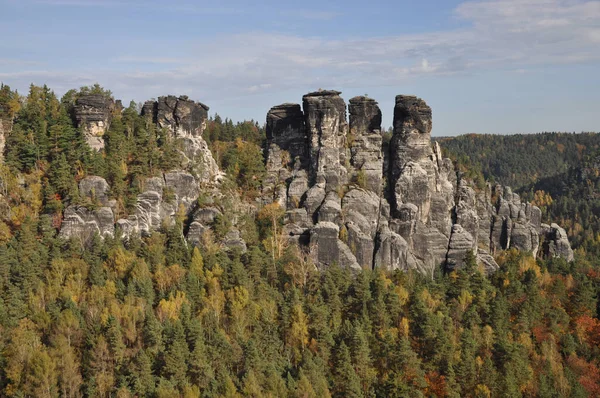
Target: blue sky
{"type": "Point", "coordinates": [484, 66]}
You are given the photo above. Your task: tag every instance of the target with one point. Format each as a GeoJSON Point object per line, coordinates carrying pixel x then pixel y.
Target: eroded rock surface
{"type": "Point", "coordinates": [163, 198]}
{"type": "Point", "coordinates": [329, 176]}
{"type": "Point", "coordinates": [93, 114]}
{"type": "Point", "coordinates": [186, 120]}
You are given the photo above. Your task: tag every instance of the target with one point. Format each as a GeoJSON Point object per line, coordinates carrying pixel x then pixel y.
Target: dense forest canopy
{"type": "Point", "coordinates": [156, 317]}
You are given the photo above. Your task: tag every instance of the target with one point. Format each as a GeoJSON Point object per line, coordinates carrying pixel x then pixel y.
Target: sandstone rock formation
{"type": "Point", "coordinates": [162, 197]}
{"type": "Point", "coordinates": [186, 120]}
{"type": "Point", "coordinates": [93, 114]}
{"type": "Point", "coordinates": [330, 176]}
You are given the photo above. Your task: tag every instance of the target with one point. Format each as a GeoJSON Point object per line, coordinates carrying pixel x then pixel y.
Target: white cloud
{"type": "Point", "coordinates": [506, 34]}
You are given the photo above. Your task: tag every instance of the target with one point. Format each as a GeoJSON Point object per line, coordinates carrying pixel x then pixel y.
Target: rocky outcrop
{"type": "Point", "coordinates": [96, 216]}
{"type": "Point", "coordinates": [556, 242]}
{"type": "Point", "coordinates": [5, 129]}
{"type": "Point", "coordinates": [83, 223]}
{"type": "Point", "coordinates": [286, 149]}
{"type": "Point", "coordinates": [365, 143]}
{"type": "Point", "coordinates": [186, 120]}
{"type": "Point", "coordinates": [163, 198]}
{"type": "Point", "coordinates": [329, 176]}
{"type": "Point", "coordinates": [326, 127]}
{"type": "Point", "coordinates": [93, 114]}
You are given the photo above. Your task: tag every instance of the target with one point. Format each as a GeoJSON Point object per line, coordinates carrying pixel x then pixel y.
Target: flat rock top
{"type": "Point", "coordinates": [181, 98]}
{"type": "Point", "coordinates": [322, 93]}
{"type": "Point", "coordinates": [360, 99]}
{"type": "Point", "coordinates": [94, 101]}
{"type": "Point", "coordinates": [285, 107]}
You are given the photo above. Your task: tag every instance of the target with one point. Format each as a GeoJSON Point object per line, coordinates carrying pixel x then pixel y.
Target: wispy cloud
{"type": "Point", "coordinates": [504, 34]}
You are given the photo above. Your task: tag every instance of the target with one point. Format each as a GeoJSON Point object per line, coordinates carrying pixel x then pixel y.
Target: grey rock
{"type": "Point", "coordinates": [412, 132]}
{"type": "Point", "coordinates": [361, 245]}
{"type": "Point", "coordinates": [556, 242]}
{"type": "Point", "coordinates": [93, 114]}
{"type": "Point", "coordinates": [366, 204]}
{"type": "Point", "coordinates": [489, 264]}
{"type": "Point", "coordinates": [96, 189]}
{"type": "Point", "coordinates": [366, 142]}
{"type": "Point", "coordinates": [434, 216]}
{"type": "Point", "coordinates": [82, 223]}
{"type": "Point", "coordinates": [186, 120]}
{"type": "Point", "coordinates": [461, 241]}
{"type": "Point", "coordinates": [234, 241]}
{"type": "Point", "coordinates": [393, 252]}
{"type": "Point", "coordinates": [285, 128]}
{"type": "Point", "coordinates": [326, 126]}
{"type": "Point", "coordinates": [296, 190]}
{"type": "Point", "coordinates": [331, 209]}
{"type": "Point", "coordinates": [195, 232]}
{"type": "Point", "coordinates": [184, 186]}
{"type": "Point", "coordinates": [326, 249]}
{"type": "Point", "coordinates": [6, 125]}
{"type": "Point", "coordinates": [206, 215]}
{"type": "Point", "coordinates": [314, 197]}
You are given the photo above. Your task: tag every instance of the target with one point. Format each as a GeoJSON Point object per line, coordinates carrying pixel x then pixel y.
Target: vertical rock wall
{"type": "Point", "coordinates": [330, 174]}
{"type": "Point", "coordinates": [93, 114]}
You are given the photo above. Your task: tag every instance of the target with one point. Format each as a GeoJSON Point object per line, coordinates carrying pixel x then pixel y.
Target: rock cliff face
{"type": "Point", "coordinates": [349, 198]}
{"type": "Point", "coordinates": [354, 201]}
{"type": "Point", "coordinates": [186, 120]}
{"type": "Point", "coordinates": [93, 114]}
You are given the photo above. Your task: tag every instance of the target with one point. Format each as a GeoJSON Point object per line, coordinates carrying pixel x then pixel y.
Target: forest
{"type": "Point", "coordinates": [156, 317]}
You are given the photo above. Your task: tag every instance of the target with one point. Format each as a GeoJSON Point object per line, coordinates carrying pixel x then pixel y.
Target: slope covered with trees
{"type": "Point", "coordinates": [156, 317]}
{"type": "Point", "coordinates": [519, 160]}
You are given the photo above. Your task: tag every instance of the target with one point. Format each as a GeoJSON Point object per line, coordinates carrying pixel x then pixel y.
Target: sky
{"type": "Point", "coordinates": [484, 66]}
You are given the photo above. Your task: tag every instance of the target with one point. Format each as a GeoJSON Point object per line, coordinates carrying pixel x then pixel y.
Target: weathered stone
{"type": "Point", "coordinates": [488, 262]}
{"type": "Point", "coordinates": [412, 132]}
{"type": "Point", "coordinates": [296, 190]}
{"type": "Point", "coordinates": [314, 197]}
{"type": "Point", "coordinates": [393, 252]}
{"type": "Point", "coordinates": [186, 120]}
{"type": "Point", "coordinates": [461, 241]}
{"type": "Point", "coordinates": [365, 142]}
{"type": "Point", "coordinates": [326, 126]}
{"type": "Point", "coordinates": [434, 216]}
{"type": "Point", "coordinates": [6, 125]}
{"type": "Point", "coordinates": [81, 223]}
{"type": "Point", "coordinates": [331, 209]}
{"type": "Point", "coordinates": [97, 190]}
{"type": "Point", "coordinates": [233, 241]}
{"type": "Point", "coordinates": [285, 128]}
{"type": "Point", "coordinates": [361, 245]}
{"type": "Point", "coordinates": [367, 205]}
{"type": "Point", "coordinates": [206, 215]}
{"type": "Point", "coordinates": [183, 186]}
{"type": "Point", "coordinates": [556, 243]}
{"type": "Point", "coordinates": [93, 114]}
{"type": "Point", "coordinates": [195, 232]}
